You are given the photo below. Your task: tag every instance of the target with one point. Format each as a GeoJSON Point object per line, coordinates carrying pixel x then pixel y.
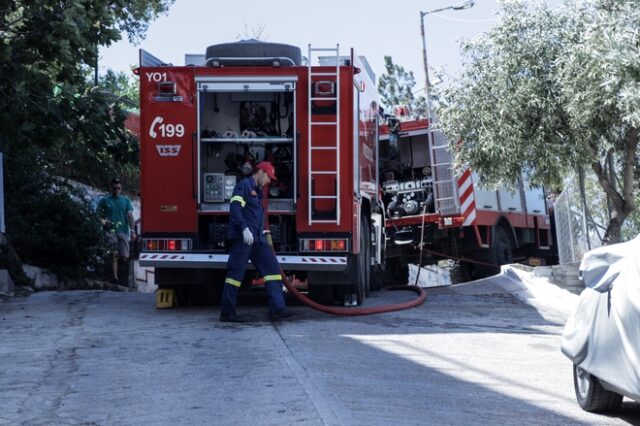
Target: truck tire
{"type": "Point", "coordinates": [320, 293]}
{"type": "Point", "coordinates": [254, 49]}
{"type": "Point", "coordinates": [396, 272]}
{"type": "Point", "coordinates": [503, 252]}
{"type": "Point", "coordinates": [591, 395]}
{"type": "Point", "coordinates": [378, 271]}
{"type": "Point", "coordinates": [362, 263]}
{"type": "Point", "coordinates": [323, 285]}
{"type": "Point", "coordinates": [500, 253]}
{"type": "Point", "coordinates": [377, 278]}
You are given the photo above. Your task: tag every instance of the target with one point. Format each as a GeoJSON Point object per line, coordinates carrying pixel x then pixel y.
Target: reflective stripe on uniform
{"type": "Point", "coordinates": [233, 282]}
{"type": "Point", "coordinates": [238, 199]}
{"type": "Point", "coordinates": [277, 277]}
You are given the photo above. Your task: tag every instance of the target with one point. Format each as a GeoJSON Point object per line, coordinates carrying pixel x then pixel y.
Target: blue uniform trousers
{"type": "Point", "coordinates": [265, 262]}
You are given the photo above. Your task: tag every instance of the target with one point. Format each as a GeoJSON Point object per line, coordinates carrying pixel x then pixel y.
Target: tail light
{"type": "Point", "coordinates": [324, 245]}
{"type": "Point", "coordinates": [166, 244]}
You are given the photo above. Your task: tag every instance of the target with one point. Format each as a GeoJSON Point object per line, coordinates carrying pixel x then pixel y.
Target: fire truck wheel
{"type": "Point", "coordinates": [203, 295]}
{"type": "Point", "coordinates": [377, 278]}
{"type": "Point", "coordinates": [502, 247]}
{"type": "Point", "coordinates": [363, 262]}
{"type": "Point", "coordinates": [377, 272]}
{"type": "Point", "coordinates": [499, 254]}
{"type": "Point", "coordinates": [320, 293]}
{"type": "Point", "coordinates": [396, 272]}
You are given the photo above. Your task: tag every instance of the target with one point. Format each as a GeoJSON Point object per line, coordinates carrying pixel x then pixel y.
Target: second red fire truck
{"type": "Point", "coordinates": [358, 194]}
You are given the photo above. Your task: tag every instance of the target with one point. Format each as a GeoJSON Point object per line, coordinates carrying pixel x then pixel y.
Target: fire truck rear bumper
{"type": "Point", "coordinates": [219, 261]}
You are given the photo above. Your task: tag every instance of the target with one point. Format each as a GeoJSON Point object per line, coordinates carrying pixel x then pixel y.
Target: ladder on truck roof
{"type": "Point", "coordinates": [444, 186]}
{"type": "Point", "coordinates": [315, 147]}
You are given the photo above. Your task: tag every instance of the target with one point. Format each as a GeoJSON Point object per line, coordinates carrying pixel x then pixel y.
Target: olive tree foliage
{"type": "Point", "coordinates": [54, 121]}
{"type": "Point", "coordinates": [396, 87]}
{"type": "Point", "coordinates": [547, 92]}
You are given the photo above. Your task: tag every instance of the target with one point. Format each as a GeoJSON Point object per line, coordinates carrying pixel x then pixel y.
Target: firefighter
{"type": "Point", "coordinates": [248, 241]}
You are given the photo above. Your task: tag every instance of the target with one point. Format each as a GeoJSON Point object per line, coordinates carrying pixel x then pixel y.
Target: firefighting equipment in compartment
{"type": "Point", "coordinates": [247, 165]}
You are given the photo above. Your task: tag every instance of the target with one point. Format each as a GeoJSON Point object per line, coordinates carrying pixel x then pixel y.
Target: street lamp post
{"type": "Point", "coordinates": [461, 6]}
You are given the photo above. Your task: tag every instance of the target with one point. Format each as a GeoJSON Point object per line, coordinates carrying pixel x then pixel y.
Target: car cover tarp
{"type": "Point", "coordinates": [603, 335]}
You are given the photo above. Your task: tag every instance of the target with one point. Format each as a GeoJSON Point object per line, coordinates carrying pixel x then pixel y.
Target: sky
{"type": "Point", "coordinates": [373, 28]}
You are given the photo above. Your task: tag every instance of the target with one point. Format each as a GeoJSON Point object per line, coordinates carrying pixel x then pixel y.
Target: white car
{"type": "Point", "coordinates": [602, 339]}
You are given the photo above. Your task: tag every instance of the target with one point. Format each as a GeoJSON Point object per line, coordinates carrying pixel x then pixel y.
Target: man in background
{"type": "Point", "coordinates": [116, 213]}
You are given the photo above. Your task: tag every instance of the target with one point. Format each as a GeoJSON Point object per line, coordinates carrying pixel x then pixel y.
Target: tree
{"type": "Point", "coordinates": [54, 121]}
{"type": "Point", "coordinates": [549, 92]}
{"type": "Point", "coordinates": [46, 98]}
{"type": "Point", "coordinates": [123, 87]}
{"type": "Point", "coordinates": [396, 87]}
{"type": "Point", "coordinates": [255, 33]}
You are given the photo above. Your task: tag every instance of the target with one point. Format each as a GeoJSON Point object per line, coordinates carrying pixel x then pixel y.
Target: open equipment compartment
{"type": "Point", "coordinates": [406, 175]}
{"type": "Point", "coordinates": [244, 122]}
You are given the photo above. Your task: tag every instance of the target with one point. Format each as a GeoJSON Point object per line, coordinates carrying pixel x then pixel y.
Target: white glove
{"type": "Point", "coordinates": [247, 236]}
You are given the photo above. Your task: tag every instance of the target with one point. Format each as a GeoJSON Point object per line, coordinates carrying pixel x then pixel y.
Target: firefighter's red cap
{"type": "Point", "coordinates": [267, 167]}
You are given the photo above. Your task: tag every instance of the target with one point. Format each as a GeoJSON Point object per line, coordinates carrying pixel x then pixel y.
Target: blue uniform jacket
{"type": "Point", "coordinates": [246, 210]}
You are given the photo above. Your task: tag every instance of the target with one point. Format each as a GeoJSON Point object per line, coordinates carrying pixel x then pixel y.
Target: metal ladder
{"type": "Point", "coordinates": [311, 172]}
{"type": "Point", "coordinates": [445, 186]}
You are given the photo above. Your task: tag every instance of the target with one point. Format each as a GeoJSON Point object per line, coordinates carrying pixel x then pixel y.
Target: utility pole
{"type": "Point", "coordinates": [461, 6]}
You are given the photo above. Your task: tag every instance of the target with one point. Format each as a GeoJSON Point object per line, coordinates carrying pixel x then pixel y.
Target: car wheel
{"type": "Point", "coordinates": [591, 395]}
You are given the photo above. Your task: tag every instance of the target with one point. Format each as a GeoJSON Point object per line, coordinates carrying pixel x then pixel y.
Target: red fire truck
{"type": "Point", "coordinates": [352, 197]}
{"type": "Point", "coordinates": [452, 213]}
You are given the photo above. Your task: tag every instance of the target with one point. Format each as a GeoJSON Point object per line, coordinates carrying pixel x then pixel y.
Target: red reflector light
{"type": "Point", "coordinates": [338, 244]}
{"type": "Point", "coordinates": [171, 245]}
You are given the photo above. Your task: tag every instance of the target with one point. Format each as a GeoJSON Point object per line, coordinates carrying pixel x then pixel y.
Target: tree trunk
{"type": "Point", "coordinates": [612, 234]}
{"type": "Point", "coordinates": [622, 202]}
{"type": "Point", "coordinates": [12, 262]}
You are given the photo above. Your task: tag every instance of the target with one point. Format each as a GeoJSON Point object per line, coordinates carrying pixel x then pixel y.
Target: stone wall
{"type": "Point", "coordinates": [564, 276]}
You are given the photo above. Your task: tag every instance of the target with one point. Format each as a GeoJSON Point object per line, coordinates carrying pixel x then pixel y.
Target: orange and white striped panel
{"type": "Point", "coordinates": [467, 198]}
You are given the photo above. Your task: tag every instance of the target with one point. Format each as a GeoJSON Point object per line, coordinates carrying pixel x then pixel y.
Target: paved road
{"type": "Point", "coordinates": [472, 354]}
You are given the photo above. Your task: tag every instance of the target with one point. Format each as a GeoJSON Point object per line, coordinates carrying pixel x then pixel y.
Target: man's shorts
{"type": "Point", "coordinates": [121, 242]}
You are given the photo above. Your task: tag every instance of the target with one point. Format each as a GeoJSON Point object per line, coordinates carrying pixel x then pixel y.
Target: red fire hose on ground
{"type": "Point", "coordinates": [342, 311]}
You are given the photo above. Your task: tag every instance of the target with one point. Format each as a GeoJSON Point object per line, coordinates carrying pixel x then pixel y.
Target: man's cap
{"type": "Point", "coordinates": [267, 167]}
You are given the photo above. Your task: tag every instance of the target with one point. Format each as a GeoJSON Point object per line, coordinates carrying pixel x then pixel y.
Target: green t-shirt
{"type": "Point", "coordinates": [115, 209]}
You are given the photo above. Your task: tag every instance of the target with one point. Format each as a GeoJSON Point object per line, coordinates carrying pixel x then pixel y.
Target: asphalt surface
{"type": "Point", "coordinates": [478, 353]}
